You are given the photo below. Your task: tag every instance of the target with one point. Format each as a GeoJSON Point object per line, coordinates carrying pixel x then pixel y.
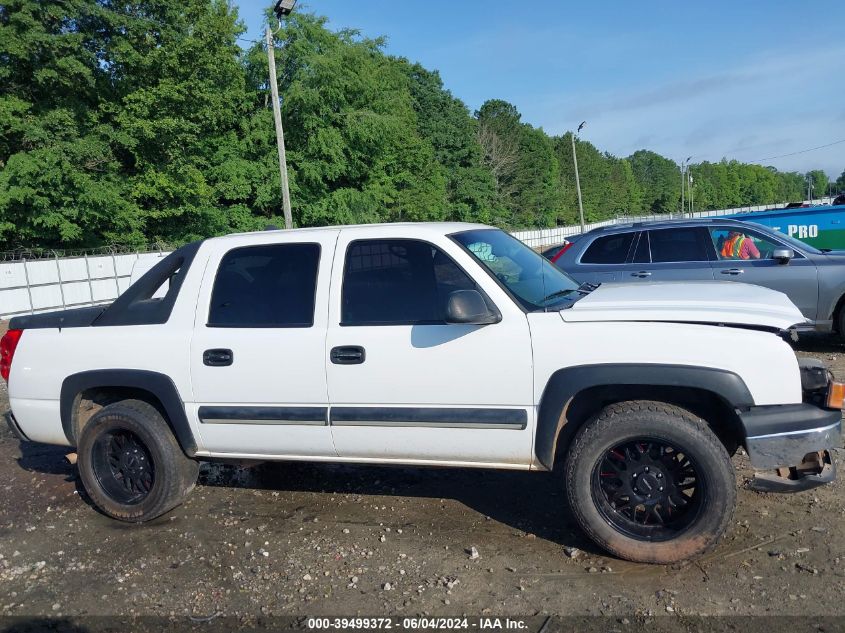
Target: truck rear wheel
{"type": "Point", "coordinates": [650, 482]}
{"type": "Point", "coordinates": [131, 464]}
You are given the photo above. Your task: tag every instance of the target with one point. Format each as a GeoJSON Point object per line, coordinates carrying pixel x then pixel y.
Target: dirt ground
{"type": "Point", "coordinates": [293, 539]}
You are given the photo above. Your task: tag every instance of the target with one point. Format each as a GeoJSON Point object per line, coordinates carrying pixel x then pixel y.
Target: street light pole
{"type": "Point", "coordinates": [281, 9]}
{"type": "Point", "coordinates": [690, 180]}
{"type": "Point", "coordinates": [577, 178]}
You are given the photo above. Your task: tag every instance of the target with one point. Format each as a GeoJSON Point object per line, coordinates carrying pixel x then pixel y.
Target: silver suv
{"type": "Point", "coordinates": [712, 249]}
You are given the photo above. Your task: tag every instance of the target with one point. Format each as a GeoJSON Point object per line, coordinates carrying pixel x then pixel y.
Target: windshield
{"type": "Point", "coordinates": [532, 279]}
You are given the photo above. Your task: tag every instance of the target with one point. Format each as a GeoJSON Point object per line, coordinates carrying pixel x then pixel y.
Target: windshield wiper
{"type": "Point", "coordinates": [587, 287]}
{"type": "Point", "coordinates": [559, 293]}
{"type": "Point", "coordinates": [583, 289]}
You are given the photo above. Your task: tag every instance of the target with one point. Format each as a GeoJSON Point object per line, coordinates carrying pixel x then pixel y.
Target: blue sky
{"type": "Point", "coordinates": [746, 79]}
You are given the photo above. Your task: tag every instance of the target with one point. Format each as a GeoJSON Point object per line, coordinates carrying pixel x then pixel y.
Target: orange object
{"type": "Point", "coordinates": [835, 395]}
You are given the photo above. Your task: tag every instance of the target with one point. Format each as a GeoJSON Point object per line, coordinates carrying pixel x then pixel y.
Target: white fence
{"type": "Point", "coordinates": [41, 285]}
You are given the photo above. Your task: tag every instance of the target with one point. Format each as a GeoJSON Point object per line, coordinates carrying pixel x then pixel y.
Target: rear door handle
{"type": "Point", "coordinates": [217, 357]}
{"type": "Point", "coordinates": [642, 273]}
{"type": "Point", "coordinates": [348, 355]}
{"type": "Point", "coordinates": [733, 271]}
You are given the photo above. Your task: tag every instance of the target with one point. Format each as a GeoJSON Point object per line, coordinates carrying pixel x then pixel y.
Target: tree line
{"type": "Point", "coordinates": [136, 121]}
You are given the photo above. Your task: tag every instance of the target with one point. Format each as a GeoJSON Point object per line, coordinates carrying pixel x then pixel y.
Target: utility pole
{"type": "Point", "coordinates": [281, 8]}
{"type": "Point", "coordinates": [577, 178]}
{"type": "Point", "coordinates": [683, 178]}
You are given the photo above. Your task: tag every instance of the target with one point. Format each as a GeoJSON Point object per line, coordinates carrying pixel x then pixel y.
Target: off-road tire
{"type": "Point", "coordinates": [626, 421]}
{"type": "Point", "coordinates": [174, 474]}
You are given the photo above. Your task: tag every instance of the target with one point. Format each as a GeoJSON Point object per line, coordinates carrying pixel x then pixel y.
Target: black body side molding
{"type": "Point", "coordinates": [159, 385]}
{"type": "Point", "coordinates": [566, 383]}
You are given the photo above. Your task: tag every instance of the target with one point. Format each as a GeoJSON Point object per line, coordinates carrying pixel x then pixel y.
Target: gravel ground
{"type": "Point", "coordinates": [290, 539]}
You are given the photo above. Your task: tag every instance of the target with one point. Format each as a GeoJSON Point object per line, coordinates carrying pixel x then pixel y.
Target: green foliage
{"type": "Point", "coordinates": [819, 182]}
{"type": "Point", "coordinates": [131, 121]}
{"type": "Point", "coordinates": [525, 169]}
{"type": "Point", "coordinates": [660, 181]}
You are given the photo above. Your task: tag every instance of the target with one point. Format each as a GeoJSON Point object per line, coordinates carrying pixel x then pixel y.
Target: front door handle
{"type": "Point", "coordinates": [733, 271]}
{"type": "Point", "coordinates": [641, 274]}
{"type": "Point", "coordinates": [217, 357]}
{"type": "Point", "coordinates": [348, 355]}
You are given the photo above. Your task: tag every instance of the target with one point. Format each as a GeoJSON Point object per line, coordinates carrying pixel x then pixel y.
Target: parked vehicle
{"type": "Point", "coordinates": [691, 250]}
{"type": "Point", "coordinates": [429, 344]}
{"type": "Point", "coordinates": [555, 252]}
{"type": "Point", "coordinates": [822, 227]}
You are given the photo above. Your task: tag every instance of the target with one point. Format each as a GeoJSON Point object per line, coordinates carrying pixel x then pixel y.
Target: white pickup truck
{"type": "Point", "coordinates": [430, 344]}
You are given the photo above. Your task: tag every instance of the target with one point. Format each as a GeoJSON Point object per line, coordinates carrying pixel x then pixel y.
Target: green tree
{"type": "Point", "coordinates": [140, 120]}
{"type": "Point", "coordinates": [355, 151]}
{"type": "Point", "coordinates": [819, 181]}
{"type": "Point", "coordinates": [525, 168]}
{"type": "Point", "coordinates": [445, 123]}
{"type": "Point", "coordinates": [659, 181]}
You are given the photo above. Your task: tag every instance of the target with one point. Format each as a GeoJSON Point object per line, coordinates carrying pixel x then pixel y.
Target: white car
{"type": "Point", "coordinates": [430, 344]}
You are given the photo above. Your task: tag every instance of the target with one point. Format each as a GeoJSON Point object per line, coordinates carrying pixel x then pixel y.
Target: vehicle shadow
{"type": "Point", "coordinates": [534, 503]}
{"type": "Point", "coordinates": [46, 459]}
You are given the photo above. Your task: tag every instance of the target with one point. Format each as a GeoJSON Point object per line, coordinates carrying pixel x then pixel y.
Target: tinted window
{"type": "Point", "coordinates": [678, 245]}
{"type": "Point", "coordinates": [266, 286]}
{"type": "Point", "coordinates": [392, 282]}
{"type": "Point", "coordinates": [610, 249]}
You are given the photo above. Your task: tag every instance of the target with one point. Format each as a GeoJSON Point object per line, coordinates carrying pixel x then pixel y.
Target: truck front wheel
{"type": "Point", "coordinates": [650, 482]}
{"type": "Point", "coordinates": [131, 464]}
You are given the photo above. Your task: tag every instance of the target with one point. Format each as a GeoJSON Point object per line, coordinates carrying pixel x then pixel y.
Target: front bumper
{"type": "Point", "coordinates": [793, 443]}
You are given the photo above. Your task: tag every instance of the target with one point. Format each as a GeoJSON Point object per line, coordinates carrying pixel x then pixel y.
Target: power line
{"type": "Point", "coordinates": [803, 151]}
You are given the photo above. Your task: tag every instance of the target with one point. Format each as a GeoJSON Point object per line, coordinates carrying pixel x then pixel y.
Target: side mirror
{"type": "Point", "coordinates": [468, 307]}
{"type": "Point", "coordinates": [783, 255]}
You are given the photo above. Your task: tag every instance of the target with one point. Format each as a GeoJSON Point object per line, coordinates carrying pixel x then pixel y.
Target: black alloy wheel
{"type": "Point", "coordinates": [648, 489]}
{"type": "Point", "coordinates": [123, 466]}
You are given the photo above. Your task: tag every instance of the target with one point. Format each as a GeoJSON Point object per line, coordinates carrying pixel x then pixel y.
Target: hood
{"type": "Point", "coordinates": [716, 302]}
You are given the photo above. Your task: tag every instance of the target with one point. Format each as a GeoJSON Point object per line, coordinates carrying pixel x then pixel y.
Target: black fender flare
{"type": "Point", "coordinates": [159, 385]}
{"type": "Point", "coordinates": [566, 383]}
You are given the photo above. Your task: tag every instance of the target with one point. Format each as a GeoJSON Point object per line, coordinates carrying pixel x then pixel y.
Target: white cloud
{"type": "Point", "coordinates": [770, 105]}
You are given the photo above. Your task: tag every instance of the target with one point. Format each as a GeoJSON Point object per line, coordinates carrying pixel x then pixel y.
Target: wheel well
{"type": "Point", "coordinates": [707, 405]}
{"type": "Point", "coordinates": [89, 401]}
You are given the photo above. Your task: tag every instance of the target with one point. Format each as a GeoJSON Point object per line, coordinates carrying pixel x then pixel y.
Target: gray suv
{"type": "Point", "coordinates": [712, 249]}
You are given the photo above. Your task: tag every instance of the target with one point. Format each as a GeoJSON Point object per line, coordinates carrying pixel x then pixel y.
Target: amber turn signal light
{"type": "Point", "coordinates": [835, 395]}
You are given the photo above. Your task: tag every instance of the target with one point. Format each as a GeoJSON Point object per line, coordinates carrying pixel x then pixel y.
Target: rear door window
{"type": "Point", "coordinates": [609, 249]}
{"type": "Point", "coordinates": [266, 286]}
{"type": "Point", "coordinates": [687, 244]}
